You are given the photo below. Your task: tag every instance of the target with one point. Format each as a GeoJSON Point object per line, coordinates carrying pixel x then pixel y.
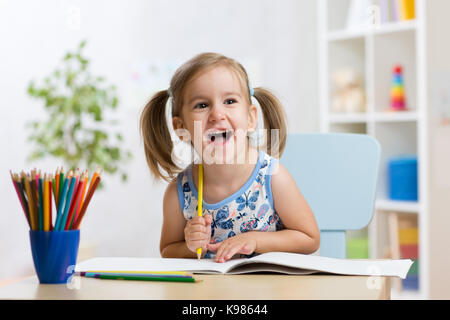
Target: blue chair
{"type": "Point", "coordinates": [337, 174]}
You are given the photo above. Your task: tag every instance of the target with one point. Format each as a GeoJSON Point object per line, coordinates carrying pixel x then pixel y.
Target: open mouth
{"type": "Point", "coordinates": [219, 137]}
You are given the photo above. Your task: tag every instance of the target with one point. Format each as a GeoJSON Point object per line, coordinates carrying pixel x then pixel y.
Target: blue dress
{"type": "Point", "coordinates": [249, 209]}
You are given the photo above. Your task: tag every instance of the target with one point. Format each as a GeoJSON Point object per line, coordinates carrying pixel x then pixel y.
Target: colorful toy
{"type": "Point", "coordinates": [397, 90]}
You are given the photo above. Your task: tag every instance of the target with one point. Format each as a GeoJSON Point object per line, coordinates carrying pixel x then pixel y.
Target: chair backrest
{"type": "Point", "coordinates": [337, 174]}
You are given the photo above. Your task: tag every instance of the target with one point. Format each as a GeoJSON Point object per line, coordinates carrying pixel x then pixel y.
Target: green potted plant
{"type": "Point", "coordinates": [76, 130]}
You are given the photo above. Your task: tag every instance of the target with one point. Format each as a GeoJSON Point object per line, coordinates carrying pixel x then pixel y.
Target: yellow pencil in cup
{"type": "Point", "coordinates": [200, 201]}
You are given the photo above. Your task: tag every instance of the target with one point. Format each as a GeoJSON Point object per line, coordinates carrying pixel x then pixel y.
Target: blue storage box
{"type": "Point", "coordinates": [402, 178]}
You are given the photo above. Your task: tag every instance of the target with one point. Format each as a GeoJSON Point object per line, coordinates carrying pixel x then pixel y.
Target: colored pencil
{"type": "Point", "coordinates": [135, 274]}
{"type": "Point", "coordinates": [122, 277]}
{"type": "Point", "coordinates": [36, 191]}
{"type": "Point", "coordinates": [76, 199]}
{"type": "Point", "coordinates": [19, 195]}
{"type": "Point", "coordinates": [86, 202]}
{"type": "Point", "coordinates": [83, 192]}
{"type": "Point", "coordinates": [36, 176]}
{"type": "Point", "coordinates": [45, 200]}
{"type": "Point", "coordinates": [50, 218]}
{"type": "Point", "coordinates": [62, 197]}
{"type": "Point", "coordinates": [180, 273]}
{"type": "Point", "coordinates": [41, 202]}
{"type": "Point", "coordinates": [94, 177]}
{"type": "Point", "coordinates": [53, 183]}
{"type": "Point", "coordinates": [56, 185]}
{"type": "Point", "coordinates": [24, 198]}
{"type": "Point", "coordinates": [61, 184]}
{"type": "Point", "coordinates": [200, 201]}
{"type": "Point", "coordinates": [35, 202]}
{"type": "Point", "coordinates": [67, 203]}
{"type": "Point", "coordinates": [75, 188]}
{"type": "Point", "coordinates": [30, 202]}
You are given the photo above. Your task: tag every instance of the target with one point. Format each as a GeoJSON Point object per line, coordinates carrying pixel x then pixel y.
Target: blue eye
{"type": "Point", "coordinates": [200, 105]}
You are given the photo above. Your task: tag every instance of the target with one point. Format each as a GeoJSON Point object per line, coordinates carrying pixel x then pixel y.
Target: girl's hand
{"type": "Point", "coordinates": [197, 233]}
{"type": "Point", "coordinates": [244, 243]}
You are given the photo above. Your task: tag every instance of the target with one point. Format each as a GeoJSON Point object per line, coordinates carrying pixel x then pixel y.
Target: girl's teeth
{"type": "Point", "coordinates": [223, 135]}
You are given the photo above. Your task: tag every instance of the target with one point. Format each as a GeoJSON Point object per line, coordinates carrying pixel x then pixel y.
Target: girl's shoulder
{"type": "Point", "coordinates": [268, 164]}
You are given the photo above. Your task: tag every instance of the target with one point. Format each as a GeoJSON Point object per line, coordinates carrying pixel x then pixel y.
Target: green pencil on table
{"type": "Point", "coordinates": [141, 277]}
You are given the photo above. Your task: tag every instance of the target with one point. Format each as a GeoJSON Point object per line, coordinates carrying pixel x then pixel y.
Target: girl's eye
{"type": "Point", "coordinates": [230, 101]}
{"type": "Point", "coordinates": [200, 106]}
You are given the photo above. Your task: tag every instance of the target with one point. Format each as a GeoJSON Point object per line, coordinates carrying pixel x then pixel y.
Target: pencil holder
{"type": "Point", "coordinates": [54, 254]}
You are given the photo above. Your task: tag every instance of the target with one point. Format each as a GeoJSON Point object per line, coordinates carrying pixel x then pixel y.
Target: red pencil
{"type": "Point", "coordinates": [50, 202]}
{"type": "Point", "coordinates": [37, 191]}
{"type": "Point", "coordinates": [77, 223]}
{"type": "Point", "coordinates": [21, 197]}
{"type": "Point", "coordinates": [73, 203]}
{"type": "Point", "coordinates": [35, 202]}
{"type": "Point", "coordinates": [81, 198]}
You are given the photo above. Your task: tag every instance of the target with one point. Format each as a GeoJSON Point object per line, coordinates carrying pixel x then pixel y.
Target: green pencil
{"type": "Point", "coordinates": [143, 278]}
{"type": "Point", "coordinates": [61, 184]}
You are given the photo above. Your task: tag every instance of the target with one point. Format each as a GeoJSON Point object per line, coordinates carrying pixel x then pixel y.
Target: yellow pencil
{"type": "Point", "coordinates": [46, 209]}
{"type": "Point", "coordinates": [200, 201]}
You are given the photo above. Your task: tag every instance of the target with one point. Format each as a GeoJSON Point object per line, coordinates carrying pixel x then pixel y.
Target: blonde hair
{"type": "Point", "coordinates": [158, 143]}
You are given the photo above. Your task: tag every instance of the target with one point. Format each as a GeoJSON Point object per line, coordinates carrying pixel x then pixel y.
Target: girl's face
{"type": "Point", "coordinates": [217, 114]}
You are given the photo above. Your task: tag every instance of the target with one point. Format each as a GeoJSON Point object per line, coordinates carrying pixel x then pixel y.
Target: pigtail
{"type": "Point", "coordinates": [274, 118]}
{"type": "Point", "coordinates": [157, 139]}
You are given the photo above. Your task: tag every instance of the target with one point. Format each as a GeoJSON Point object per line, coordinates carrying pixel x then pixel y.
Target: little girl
{"type": "Point", "coordinates": [251, 204]}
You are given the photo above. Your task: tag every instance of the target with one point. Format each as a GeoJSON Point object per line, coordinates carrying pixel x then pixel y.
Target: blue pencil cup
{"type": "Point", "coordinates": [54, 254]}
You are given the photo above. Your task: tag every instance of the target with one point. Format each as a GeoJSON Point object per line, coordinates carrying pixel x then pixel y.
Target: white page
{"type": "Point", "coordinates": [154, 264]}
{"type": "Point", "coordinates": [395, 268]}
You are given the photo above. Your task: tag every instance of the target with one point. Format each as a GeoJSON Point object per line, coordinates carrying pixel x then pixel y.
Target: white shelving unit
{"type": "Point", "coordinates": [373, 52]}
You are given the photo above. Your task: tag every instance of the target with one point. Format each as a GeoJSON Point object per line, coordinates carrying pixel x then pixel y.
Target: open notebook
{"type": "Point", "coordinates": [279, 262]}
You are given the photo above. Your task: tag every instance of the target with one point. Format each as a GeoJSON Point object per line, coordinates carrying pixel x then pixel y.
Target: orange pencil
{"type": "Point", "coordinates": [93, 180]}
{"type": "Point", "coordinates": [86, 203]}
{"type": "Point", "coordinates": [83, 192]}
{"type": "Point", "coordinates": [56, 187]}
{"type": "Point", "coordinates": [75, 199]}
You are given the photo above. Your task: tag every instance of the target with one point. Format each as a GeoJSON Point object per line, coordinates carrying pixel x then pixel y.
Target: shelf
{"type": "Point", "coordinates": [374, 52]}
{"type": "Point", "coordinates": [343, 35]}
{"type": "Point", "coordinates": [348, 118]}
{"type": "Point", "coordinates": [399, 206]}
{"type": "Point", "coordinates": [388, 28]}
{"type": "Point", "coordinates": [394, 27]}
{"type": "Point", "coordinates": [396, 116]}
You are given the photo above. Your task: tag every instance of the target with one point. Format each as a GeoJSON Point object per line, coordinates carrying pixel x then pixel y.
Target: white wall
{"type": "Point", "coordinates": [279, 37]}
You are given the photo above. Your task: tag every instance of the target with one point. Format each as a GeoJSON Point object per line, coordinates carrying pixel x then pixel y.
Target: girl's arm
{"type": "Point", "coordinates": [301, 233]}
{"type": "Point", "coordinates": [172, 243]}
